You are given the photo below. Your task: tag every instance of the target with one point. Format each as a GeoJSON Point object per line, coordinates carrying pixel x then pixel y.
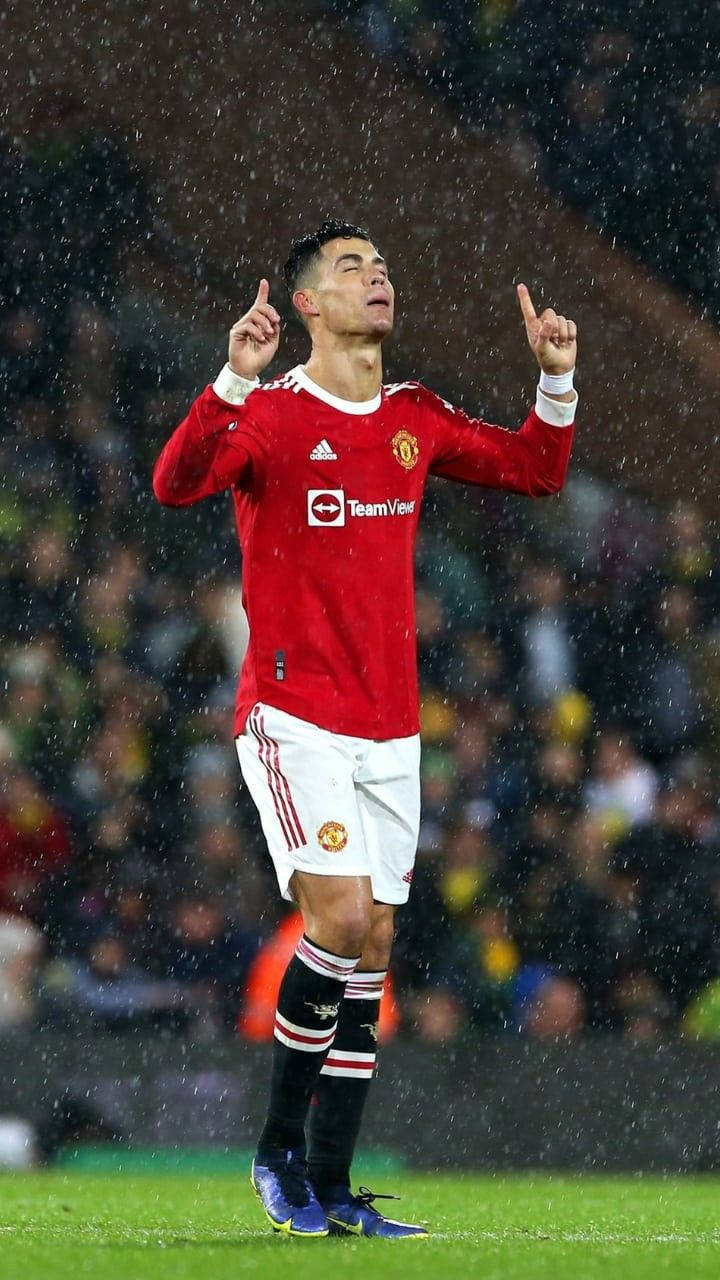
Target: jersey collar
{"type": "Point", "coordinates": [343, 406]}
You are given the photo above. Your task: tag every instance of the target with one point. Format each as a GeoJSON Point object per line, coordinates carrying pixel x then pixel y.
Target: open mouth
{"type": "Point", "coordinates": [379, 302]}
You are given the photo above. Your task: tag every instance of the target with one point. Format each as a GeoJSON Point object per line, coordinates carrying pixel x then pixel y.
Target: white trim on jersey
{"type": "Point", "coordinates": [392, 387]}
{"type": "Point", "coordinates": [284, 383]}
{"type": "Point", "coordinates": [343, 406]}
{"type": "Point", "coordinates": [232, 387]}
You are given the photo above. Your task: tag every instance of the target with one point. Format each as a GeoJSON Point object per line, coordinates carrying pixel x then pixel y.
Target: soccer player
{"type": "Point", "coordinates": [327, 467]}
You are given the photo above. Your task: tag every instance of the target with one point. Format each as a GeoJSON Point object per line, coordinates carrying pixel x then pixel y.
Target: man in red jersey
{"type": "Point", "coordinates": [327, 468]}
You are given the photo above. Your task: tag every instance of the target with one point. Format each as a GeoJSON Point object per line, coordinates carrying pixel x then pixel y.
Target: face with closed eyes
{"type": "Point", "coordinates": [347, 291]}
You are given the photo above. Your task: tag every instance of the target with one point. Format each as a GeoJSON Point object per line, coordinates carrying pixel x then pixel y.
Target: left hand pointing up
{"type": "Point", "coordinates": [552, 338]}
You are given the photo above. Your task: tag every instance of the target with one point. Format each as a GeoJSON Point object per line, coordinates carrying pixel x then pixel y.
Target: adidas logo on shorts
{"type": "Point", "coordinates": [323, 452]}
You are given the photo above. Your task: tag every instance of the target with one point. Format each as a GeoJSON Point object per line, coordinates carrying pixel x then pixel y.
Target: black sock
{"type": "Point", "coordinates": [342, 1086]}
{"type": "Point", "coordinates": [310, 996]}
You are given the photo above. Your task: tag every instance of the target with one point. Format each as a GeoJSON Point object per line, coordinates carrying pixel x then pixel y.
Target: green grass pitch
{"type": "Point", "coordinates": [529, 1227]}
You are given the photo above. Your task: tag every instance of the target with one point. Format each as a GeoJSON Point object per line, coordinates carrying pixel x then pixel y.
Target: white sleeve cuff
{"type": "Point", "coordinates": [556, 412]}
{"type": "Point", "coordinates": [232, 387]}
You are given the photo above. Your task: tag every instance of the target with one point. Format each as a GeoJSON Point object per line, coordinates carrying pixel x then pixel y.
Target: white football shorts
{"type": "Point", "coordinates": [333, 805]}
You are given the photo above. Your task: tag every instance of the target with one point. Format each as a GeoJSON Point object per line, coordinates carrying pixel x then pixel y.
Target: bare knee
{"type": "Point", "coordinates": [378, 945]}
{"type": "Point", "coordinates": [342, 929]}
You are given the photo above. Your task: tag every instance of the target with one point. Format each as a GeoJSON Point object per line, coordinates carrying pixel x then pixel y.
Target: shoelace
{"type": "Point", "coordinates": [293, 1183]}
{"type": "Point", "coordinates": [365, 1197]}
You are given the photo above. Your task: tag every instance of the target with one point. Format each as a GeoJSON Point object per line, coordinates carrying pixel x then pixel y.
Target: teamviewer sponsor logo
{"type": "Point", "coordinates": [392, 507]}
{"type": "Point", "coordinates": [330, 506]}
{"type": "Point", "coordinates": [326, 506]}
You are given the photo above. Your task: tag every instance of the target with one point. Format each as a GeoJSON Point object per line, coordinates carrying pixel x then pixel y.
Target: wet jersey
{"type": "Point", "coordinates": [327, 495]}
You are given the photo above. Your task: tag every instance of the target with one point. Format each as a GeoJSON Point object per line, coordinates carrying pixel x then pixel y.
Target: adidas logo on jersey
{"type": "Point", "coordinates": [323, 452]}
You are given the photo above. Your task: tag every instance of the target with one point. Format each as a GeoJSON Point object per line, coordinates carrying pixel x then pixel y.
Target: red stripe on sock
{"type": "Point", "coordinates": [317, 1044]}
{"type": "Point", "coordinates": [343, 1062]}
{"type": "Point", "coordinates": [307, 952]}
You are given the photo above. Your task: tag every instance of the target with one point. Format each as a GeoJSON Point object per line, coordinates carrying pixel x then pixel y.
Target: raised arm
{"type": "Point", "coordinates": [553, 341]}
{"type": "Point", "coordinates": [220, 443]}
{"type": "Point", "coordinates": [533, 460]}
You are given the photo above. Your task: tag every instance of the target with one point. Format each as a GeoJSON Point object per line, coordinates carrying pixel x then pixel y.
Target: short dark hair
{"type": "Point", "coordinates": [308, 247]}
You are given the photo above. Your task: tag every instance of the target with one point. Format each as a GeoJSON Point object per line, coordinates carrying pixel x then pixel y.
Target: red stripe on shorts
{"type": "Point", "coordinates": [284, 780]}
{"type": "Point", "coordinates": [263, 752]}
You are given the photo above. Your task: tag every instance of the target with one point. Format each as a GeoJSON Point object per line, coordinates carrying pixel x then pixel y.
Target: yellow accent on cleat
{"type": "Point", "coordinates": [357, 1230]}
{"type": "Point", "coordinates": [348, 1226]}
{"type": "Point", "coordinates": [286, 1228]}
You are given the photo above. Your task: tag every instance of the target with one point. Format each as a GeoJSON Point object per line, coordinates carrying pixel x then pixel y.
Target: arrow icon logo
{"type": "Point", "coordinates": [326, 506]}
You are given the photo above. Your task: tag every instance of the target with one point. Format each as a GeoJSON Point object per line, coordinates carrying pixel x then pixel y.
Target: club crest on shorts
{"type": "Point", "coordinates": [332, 837]}
{"type": "Point", "coordinates": [405, 449]}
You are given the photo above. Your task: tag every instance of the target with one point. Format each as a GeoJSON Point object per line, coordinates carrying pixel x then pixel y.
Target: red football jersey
{"type": "Point", "coordinates": [327, 496]}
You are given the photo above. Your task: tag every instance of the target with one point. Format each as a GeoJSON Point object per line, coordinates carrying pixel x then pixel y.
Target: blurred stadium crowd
{"type": "Point", "coordinates": [617, 105]}
{"type": "Point", "coordinates": [568, 875]}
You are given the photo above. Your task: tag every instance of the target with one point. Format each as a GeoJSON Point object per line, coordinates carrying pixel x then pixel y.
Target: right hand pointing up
{"type": "Point", "coordinates": [255, 338]}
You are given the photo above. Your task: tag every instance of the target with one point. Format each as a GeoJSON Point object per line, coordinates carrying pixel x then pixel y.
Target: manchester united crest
{"type": "Point", "coordinates": [332, 837]}
{"type": "Point", "coordinates": [405, 448]}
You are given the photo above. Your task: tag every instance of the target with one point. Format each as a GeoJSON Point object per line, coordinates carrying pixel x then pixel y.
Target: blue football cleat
{"type": "Point", "coordinates": [287, 1197]}
{"type": "Point", "coordinates": [355, 1215]}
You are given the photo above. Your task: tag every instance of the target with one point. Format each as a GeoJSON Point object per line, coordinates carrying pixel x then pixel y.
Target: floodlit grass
{"type": "Point", "coordinates": [494, 1228]}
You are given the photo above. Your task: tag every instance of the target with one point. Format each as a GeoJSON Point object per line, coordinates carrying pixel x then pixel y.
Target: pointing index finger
{"type": "Point", "coordinates": [263, 292]}
{"type": "Point", "coordinates": [526, 305]}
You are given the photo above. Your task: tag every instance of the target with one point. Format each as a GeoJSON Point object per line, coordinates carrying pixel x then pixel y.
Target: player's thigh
{"type": "Point", "coordinates": [301, 780]}
{"type": "Point", "coordinates": [388, 792]}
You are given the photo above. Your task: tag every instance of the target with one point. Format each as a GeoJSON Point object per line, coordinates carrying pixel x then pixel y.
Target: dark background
{"type": "Point", "coordinates": [155, 161]}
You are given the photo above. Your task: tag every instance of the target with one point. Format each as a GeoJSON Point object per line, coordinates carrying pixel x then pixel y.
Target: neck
{"type": "Point", "coordinates": [351, 372]}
